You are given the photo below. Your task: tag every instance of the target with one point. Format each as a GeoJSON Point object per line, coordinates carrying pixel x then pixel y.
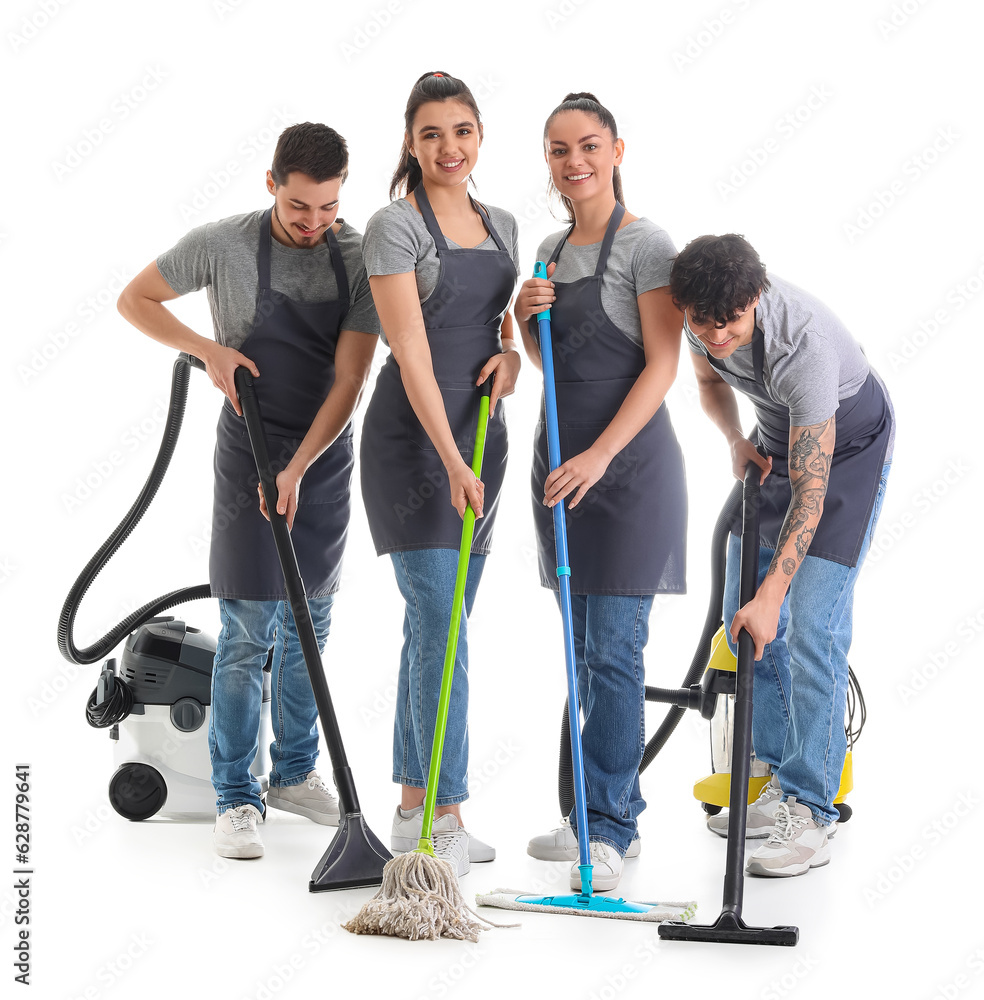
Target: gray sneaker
{"type": "Point", "coordinates": [561, 845]}
{"type": "Point", "coordinates": [451, 843]}
{"type": "Point", "coordinates": [407, 825]}
{"type": "Point", "coordinates": [311, 798]}
{"type": "Point", "coordinates": [760, 819]}
{"type": "Point", "coordinates": [798, 843]}
{"type": "Point", "coordinates": [235, 834]}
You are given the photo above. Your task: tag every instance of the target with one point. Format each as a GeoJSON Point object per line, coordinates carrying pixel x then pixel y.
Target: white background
{"type": "Point", "coordinates": [127, 124]}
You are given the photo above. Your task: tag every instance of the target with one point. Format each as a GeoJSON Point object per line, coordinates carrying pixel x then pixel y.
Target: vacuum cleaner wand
{"type": "Point", "coordinates": [355, 856]}
{"type": "Point", "coordinates": [729, 925]}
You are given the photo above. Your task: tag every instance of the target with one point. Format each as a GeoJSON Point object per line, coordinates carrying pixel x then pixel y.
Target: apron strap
{"type": "Point", "coordinates": [263, 259]}
{"type": "Point", "coordinates": [606, 243]}
{"type": "Point", "coordinates": [560, 246]}
{"type": "Point", "coordinates": [341, 278]}
{"type": "Point", "coordinates": [487, 219]}
{"type": "Point", "coordinates": [430, 220]}
{"type": "Point", "coordinates": [263, 254]}
{"type": "Point", "coordinates": [758, 355]}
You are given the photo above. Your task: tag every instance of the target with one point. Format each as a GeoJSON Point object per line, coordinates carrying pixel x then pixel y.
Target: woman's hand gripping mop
{"type": "Point", "coordinates": [583, 903]}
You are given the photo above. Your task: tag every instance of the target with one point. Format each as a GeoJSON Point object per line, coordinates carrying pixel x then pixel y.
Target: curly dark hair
{"type": "Point", "coordinates": [716, 277]}
{"type": "Point", "coordinates": [310, 148]}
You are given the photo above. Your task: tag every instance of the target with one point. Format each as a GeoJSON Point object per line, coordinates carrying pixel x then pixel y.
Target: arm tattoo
{"type": "Point", "coordinates": [809, 474]}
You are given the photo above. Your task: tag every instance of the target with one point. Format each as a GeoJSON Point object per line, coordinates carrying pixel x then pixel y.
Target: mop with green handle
{"type": "Point", "coordinates": [583, 903]}
{"type": "Point", "coordinates": [419, 897]}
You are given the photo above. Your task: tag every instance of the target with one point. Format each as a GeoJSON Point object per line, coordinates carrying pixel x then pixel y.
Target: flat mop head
{"type": "Point", "coordinates": [419, 899]}
{"type": "Point", "coordinates": [581, 905]}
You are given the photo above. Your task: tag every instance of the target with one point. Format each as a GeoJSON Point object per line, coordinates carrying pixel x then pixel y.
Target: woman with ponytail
{"type": "Point", "coordinates": [616, 344]}
{"type": "Point", "coordinates": [442, 268]}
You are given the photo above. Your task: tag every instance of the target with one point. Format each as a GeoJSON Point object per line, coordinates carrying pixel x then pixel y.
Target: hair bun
{"type": "Point", "coordinates": [581, 96]}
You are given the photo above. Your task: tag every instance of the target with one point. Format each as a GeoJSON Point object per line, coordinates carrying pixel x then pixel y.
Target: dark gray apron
{"type": "Point", "coordinates": [628, 535]}
{"type": "Point", "coordinates": [293, 346]}
{"type": "Point", "coordinates": [404, 482]}
{"type": "Point", "coordinates": [864, 426]}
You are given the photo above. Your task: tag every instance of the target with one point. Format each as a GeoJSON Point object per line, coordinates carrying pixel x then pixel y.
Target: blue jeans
{"type": "Point", "coordinates": [249, 630]}
{"type": "Point", "coordinates": [610, 633]}
{"type": "Point", "coordinates": [426, 580]}
{"type": "Point", "coordinates": [800, 686]}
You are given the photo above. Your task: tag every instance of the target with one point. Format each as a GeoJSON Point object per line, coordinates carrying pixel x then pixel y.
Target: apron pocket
{"type": "Point", "coordinates": [622, 469]}
{"type": "Point", "coordinates": [461, 407]}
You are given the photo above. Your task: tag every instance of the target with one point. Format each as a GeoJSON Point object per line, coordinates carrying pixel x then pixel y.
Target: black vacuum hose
{"type": "Point", "coordinates": [66, 620]}
{"type": "Point", "coordinates": [712, 622]}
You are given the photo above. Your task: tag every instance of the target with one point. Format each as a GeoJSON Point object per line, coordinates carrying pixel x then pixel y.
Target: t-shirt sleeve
{"type": "Point", "coordinates": [361, 316]}
{"type": "Point", "coordinates": [390, 245]}
{"type": "Point", "coordinates": [806, 380]}
{"type": "Point", "coordinates": [186, 266]}
{"type": "Point", "coordinates": [652, 261]}
{"type": "Point", "coordinates": [692, 342]}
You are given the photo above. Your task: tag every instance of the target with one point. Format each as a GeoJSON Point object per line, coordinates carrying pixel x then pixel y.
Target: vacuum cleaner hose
{"type": "Point", "coordinates": [712, 622]}
{"type": "Point", "coordinates": [66, 621]}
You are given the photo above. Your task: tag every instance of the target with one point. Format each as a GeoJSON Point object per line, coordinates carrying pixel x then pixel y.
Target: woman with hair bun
{"type": "Point", "coordinates": [616, 345]}
{"type": "Point", "coordinates": [442, 268]}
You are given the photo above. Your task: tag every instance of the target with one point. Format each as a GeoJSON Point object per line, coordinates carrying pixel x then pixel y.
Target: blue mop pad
{"type": "Point", "coordinates": [580, 905]}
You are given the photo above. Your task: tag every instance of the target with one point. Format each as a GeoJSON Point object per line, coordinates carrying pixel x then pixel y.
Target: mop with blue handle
{"type": "Point", "coordinates": [583, 903]}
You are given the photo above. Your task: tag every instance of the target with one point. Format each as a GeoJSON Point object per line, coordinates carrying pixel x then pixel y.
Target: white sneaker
{"type": "Point", "coordinates": [561, 845]}
{"type": "Point", "coordinates": [311, 798]}
{"type": "Point", "coordinates": [606, 869]}
{"type": "Point", "coordinates": [407, 824]}
{"type": "Point", "coordinates": [451, 843]}
{"type": "Point", "coordinates": [798, 843]}
{"type": "Point", "coordinates": [235, 835]}
{"type": "Point", "coordinates": [760, 819]}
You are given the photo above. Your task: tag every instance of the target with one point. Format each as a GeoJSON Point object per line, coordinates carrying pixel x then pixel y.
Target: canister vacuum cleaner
{"type": "Point", "coordinates": [156, 705]}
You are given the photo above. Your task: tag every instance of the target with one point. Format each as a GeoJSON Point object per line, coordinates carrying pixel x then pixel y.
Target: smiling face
{"type": "Point", "coordinates": [303, 208]}
{"type": "Point", "coordinates": [722, 342]}
{"type": "Point", "coordinates": [445, 140]}
{"type": "Point", "coordinates": [582, 155]}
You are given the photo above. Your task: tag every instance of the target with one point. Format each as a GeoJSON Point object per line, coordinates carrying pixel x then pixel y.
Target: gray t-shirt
{"type": "Point", "coordinates": [810, 360]}
{"type": "Point", "coordinates": [640, 260]}
{"type": "Point", "coordinates": [221, 256]}
{"type": "Point", "coordinates": [397, 242]}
